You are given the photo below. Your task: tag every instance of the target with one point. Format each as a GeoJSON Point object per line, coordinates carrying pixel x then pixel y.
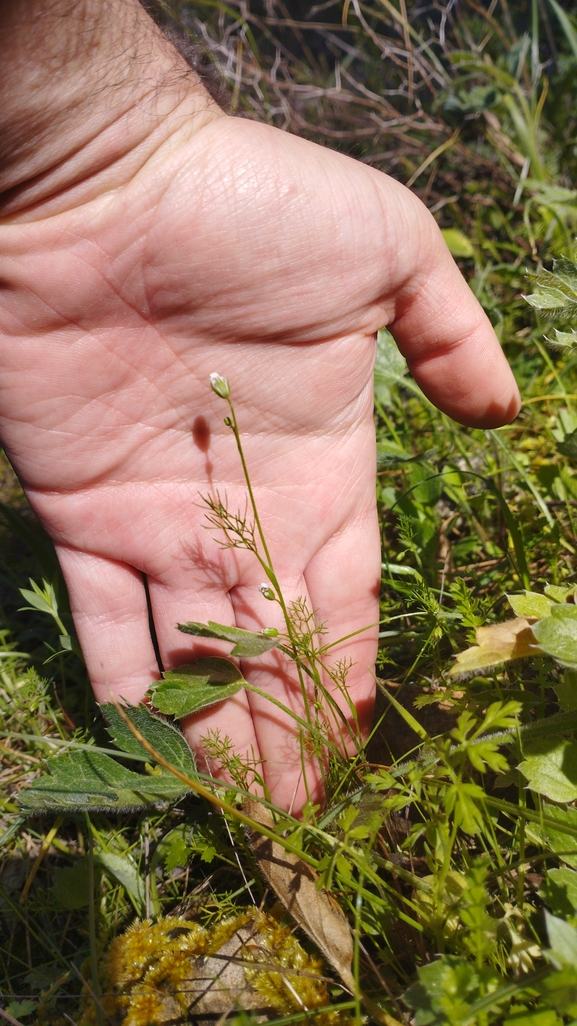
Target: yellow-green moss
{"type": "Point", "coordinates": [172, 970]}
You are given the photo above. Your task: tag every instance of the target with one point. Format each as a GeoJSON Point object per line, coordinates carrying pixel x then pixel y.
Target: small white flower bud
{"type": "Point", "coordinates": [220, 385]}
{"type": "Point", "coordinates": [270, 632]}
{"type": "Point", "coordinates": [267, 591]}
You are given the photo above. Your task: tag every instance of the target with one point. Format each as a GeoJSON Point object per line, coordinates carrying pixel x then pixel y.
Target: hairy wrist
{"type": "Point", "coordinates": [88, 90]}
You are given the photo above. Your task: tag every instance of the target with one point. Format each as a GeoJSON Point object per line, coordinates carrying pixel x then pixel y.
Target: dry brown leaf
{"type": "Point", "coordinates": [295, 884]}
{"type": "Point", "coordinates": [498, 643]}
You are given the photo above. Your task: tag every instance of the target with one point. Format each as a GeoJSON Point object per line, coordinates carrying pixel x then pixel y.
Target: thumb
{"type": "Point", "coordinates": [447, 339]}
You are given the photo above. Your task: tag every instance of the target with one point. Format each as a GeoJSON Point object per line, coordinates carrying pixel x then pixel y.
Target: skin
{"type": "Point", "coordinates": [148, 240]}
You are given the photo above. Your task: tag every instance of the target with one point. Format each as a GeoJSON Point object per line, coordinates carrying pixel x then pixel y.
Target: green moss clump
{"type": "Point", "coordinates": [173, 971]}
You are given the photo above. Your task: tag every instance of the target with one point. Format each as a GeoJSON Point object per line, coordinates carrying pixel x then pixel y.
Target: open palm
{"type": "Point", "coordinates": [245, 251]}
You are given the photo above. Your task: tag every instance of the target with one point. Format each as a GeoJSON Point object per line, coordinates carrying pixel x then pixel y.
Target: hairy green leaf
{"type": "Point", "coordinates": [247, 644]}
{"type": "Point", "coordinates": [166, 739]}
{"type": "Point", "coordinates": [91, 782]}
{"type": "Point", "coordinates": [86, 780]}
{"type": "Point", "coordinates": [188, 689]}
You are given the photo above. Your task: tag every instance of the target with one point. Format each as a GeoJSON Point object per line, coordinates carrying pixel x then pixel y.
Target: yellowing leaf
{"type": "Point", "coordinates": [530, 604]}
{"type": "Point", "coordinates": [459, 245]}
{"type": "Point", "coordinates": [295, 883]}
{"type": "Point", "coordinates": [497, 643]}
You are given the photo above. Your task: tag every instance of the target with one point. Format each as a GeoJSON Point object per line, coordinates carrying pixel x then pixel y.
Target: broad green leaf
{"type": "Point", "coordinates": [71, 884]}
{"type": "Point", "coordinates": [562, 942]}
{"type": "Point", "coordinates": [390, 367]}
{"type": "Point", "coordinates": [92, 782]}
{"type": "Point", "coordinates": [389, 454]}
{"type": "Point", "coordinates": [548, 298]}
{"type": "Point", "coordinates": [247, 644]}
{"type": "Point", "coordinates": [188, 689]}
{"type": "Point", "coordinates": [521, 1016]}
{"type": "Point", "coordinates": [166, 739]}
{"type": "Point", "coordinates": [568, 447]}
{"type": "Point", "coordinates": [125, 872]}
{"type": "Point", "coordinates": [560, 594]}
{"type": "Point", "coordinates": [530, 604]}
{"type": "Point", "coordinates": [567, 691]}
{"type": "Point", "coordinates": [561, 837]}
{"type": "Point", "coordinates": [557, 634]}
{"type": "Point", "coordinates": [496, 644]}
{"type": "Point", "coordinates": [458, 244]}
{"type": "Point", "coordinates": [559, 891]}
{"type": "Point", "coordinates": [550, 767]}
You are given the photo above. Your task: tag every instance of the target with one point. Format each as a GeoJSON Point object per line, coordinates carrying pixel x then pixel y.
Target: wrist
{"type": "Point", "coordinates": [89, 91]}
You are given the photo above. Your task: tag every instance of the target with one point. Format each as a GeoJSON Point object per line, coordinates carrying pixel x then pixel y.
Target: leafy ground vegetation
{"type": "Point", "coordinates": [439, 884]}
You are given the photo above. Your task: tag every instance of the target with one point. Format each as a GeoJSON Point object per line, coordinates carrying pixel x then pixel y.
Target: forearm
{"type": "Point", "coordinates": [88, 90]}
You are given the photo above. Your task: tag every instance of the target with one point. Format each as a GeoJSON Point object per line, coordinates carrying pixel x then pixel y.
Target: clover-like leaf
{"type": "Point", "coordinates": [247, 644]}
{"type": "Point", "coordinates": [188, 689]}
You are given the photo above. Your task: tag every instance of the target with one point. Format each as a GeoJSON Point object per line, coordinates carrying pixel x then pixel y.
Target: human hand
{"type": "Point", "coordinates": [239, 249]}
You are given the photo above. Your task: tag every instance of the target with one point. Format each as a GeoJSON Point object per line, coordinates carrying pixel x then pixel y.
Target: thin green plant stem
{"type": "Point", "coordinates": [496, 436]}
{"type": "Point", "coordinates": [267, 563]}
{"type": "Point", "coordinates": [92, 926]}
{"type": "Point", "coordinates": [298, 1017]}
